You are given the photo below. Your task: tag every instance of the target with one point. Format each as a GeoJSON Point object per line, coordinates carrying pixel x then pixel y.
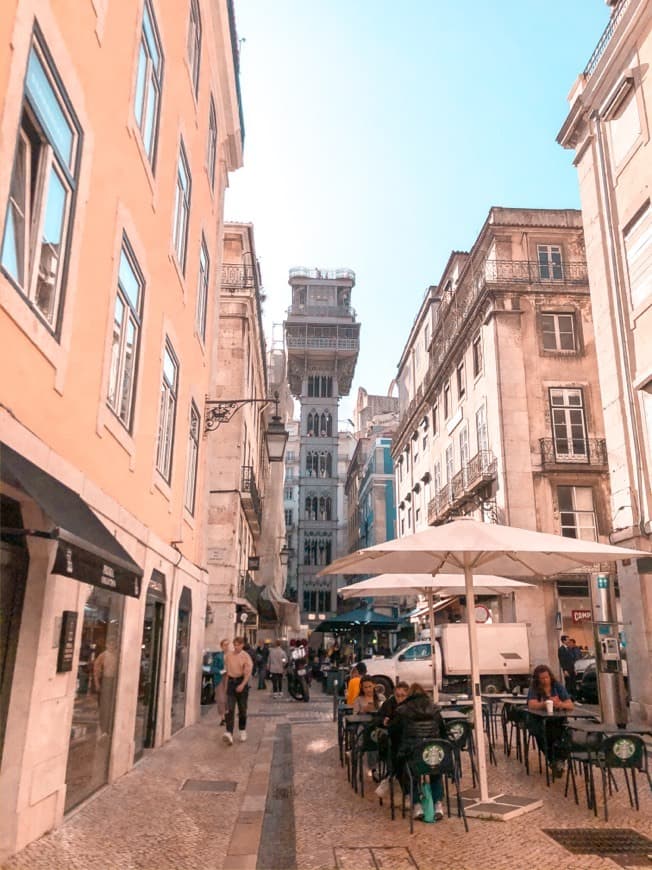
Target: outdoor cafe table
{"type": "Point", "coordinates": [640, 728]}
{"type": "Point", "coordinates": [557, 716]}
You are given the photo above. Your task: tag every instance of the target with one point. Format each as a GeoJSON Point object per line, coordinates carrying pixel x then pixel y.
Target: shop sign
{"type": "Point", "coordinates": [603, 581]}
{"type": "Point", "coordinates": [580, 616]}
{"type": "Point", "coordinates": [73, 561]}
{"type": "Point", "coordinates": [67, 641]}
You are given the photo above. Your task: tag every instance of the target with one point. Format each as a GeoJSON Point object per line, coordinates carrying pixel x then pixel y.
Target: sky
{"type": "Point", "coordinates": [379, 134]}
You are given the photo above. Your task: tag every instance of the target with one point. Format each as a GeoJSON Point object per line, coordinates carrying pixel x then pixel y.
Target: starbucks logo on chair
{"type": "Point", "coordinates": [624, 748]}
{"type": "Point", "coordinates": [433, 755]}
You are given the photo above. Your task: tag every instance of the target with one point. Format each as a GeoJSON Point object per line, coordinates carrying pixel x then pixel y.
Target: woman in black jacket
{"type": "Point", "coordinates": [416, 719]}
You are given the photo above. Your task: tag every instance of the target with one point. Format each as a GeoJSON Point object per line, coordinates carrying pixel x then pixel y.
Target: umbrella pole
{"type": "Point", "coordinates": [431, 616]}
{"type": "Point", "coordinates": [475, 683]}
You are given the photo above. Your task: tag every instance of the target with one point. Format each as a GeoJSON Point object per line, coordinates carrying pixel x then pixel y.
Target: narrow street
{"type": "Point", "coordinates": [281, 801]}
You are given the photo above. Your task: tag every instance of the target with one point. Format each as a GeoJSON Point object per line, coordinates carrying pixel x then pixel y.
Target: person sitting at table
{"type": "Point", "coordinates": [417, 707]}
{"type": "Point", "coordinates": [388, 708]}
{"type": "Point", "coordinates": [545, 688]}
{"type": "Point", "coordinates": [369, 699]}
{"type": "Point", "coordinates": [353, 689]}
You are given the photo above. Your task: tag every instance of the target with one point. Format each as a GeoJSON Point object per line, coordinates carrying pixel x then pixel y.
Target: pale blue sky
{"type": "Point", "coordinates": [379, 133]}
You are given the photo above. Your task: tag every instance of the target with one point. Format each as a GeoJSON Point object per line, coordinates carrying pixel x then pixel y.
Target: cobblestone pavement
{"type": "Point", "coordinates": [292, 807]}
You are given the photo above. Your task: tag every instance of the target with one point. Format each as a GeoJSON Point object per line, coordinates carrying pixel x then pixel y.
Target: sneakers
{"type": "Point", "coordinates": [383, 789]}
{"type": "Point", "coordinates": [439, 811]}
{"type": "Point", "coordinates": [227, 738]}
{"type": "Point", "coordinates": [243, 737]}
{"type": "Point", "coordinates": [417, 812]}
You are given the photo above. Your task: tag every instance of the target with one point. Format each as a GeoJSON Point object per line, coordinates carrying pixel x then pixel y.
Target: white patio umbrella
{"type": "Point", "coordinates": [466, 546]}
{"type": "Point", "coordinates": [423, 584]}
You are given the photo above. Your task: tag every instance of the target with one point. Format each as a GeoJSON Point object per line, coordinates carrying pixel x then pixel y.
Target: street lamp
{"type": "Point", "coordinates": [220, 411]}
{"type": "Point", "coordinates": [284, 555]}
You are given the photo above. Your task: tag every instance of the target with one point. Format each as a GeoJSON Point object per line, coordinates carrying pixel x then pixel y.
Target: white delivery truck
{"type": "Point", "coordinates": [504, 659]}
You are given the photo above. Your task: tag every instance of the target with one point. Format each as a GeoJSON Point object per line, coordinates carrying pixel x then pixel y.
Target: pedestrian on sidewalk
{"type": "Point", "coordinates": [261, 656]}
{"type": "Point", "coordinates": [219, 678]}
{"type": "Point", "coordinates": [238, 672]}
{"type": "Point", "coordinates": [276, 664]}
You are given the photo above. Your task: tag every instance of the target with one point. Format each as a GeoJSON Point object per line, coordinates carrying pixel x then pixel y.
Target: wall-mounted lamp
{"type": "Point", "coordinates": [210, 616]}
{"type": "Point", "coordinates": [284, 555]}
{"type": "Point", "coordinates": [220, 411]}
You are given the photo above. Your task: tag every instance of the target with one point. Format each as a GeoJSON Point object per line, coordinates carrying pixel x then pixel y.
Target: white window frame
{"type": "Point", "coordinates": [461, 380]}
{"type": "Point", "coordinates": [436, 477]}
{"type": "Point", "coordinates": [568, 415]}
{"type": "Point", "coordinates": [447, 401]}
{"type": "Point", "coordinates": [550, 262]}
{"type": "Point", "coordinates": [481, 430]}
{"type": "Point", "coordinates": [211, 147]}
{"type": "Point", "coordinates": [554, 319]}
{"type": "Point", "coordinates": [149, 83]}
{"type": "Point", "coordinates": [194, 433]}
{"type": "Point", "coordinates": [464, 446]}
{"type": "Point", "coordinates": [203, 280]}
{"type": "Point", "coordinates": [127, 317]}
{"type": "Point", "coordinates": [450, 462]}
{"type": "Point", "coordinates": [582, 519]}
{"type": "Point", "coordinates": [194, 44]}
{"type": "Point", "coordinates": [182, 199]}
{"type": "Point", "coordinates": [55, 131]}
{"type": "Point", "coordinates": [477, 352]}
{"type": "Point", "coordinates": [167, 412]}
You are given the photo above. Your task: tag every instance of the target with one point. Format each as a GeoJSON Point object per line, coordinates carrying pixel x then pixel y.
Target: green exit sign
{"type": "Point", "coordinates": [603, 581]}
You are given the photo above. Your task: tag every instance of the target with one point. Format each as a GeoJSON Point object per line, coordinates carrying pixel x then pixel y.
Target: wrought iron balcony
{"type": "Point", "coordinates": [480, 469]}
{"type": "Point", "coordinates": [605, 39]}
{"type": "Point", "coordinates": [477, 472]}
{"type": "Point", "coordinates": [323, 274]}
{"type": "Point", "coordinates": [238, 276]}
{"type": "Point", "coordinates": [322, 311]}
{"type": "Point", "coordinates": [306, 341]}
{"type": "Point", "coordinates": [589, 451]}
{"type": "Point", "coordinates": [250, 499]}
{"type": "Point", "coordinates": [533, 272]}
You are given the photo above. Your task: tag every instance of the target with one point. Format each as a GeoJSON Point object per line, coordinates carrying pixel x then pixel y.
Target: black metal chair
{"type": "Point", "coordinates": [342, 711]}
{"type": "Point", "coordinates": [460, 734]}
{"type": "Point", "coordinates": [430, 758]}
{"type": "Point", "coordinates": [626, 752]}
{"type": "Point", "coordinates": [580, 749]}
{"type": "Point", "coordinates": [367, 740]}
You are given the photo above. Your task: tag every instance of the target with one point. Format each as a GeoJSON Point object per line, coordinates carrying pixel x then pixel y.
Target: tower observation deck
{"type": "Point", "coordinates": [322, 340]}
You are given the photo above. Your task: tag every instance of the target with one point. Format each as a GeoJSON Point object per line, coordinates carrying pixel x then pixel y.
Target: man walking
{"type": "Point", "coordinates": [567, 664]}
{"type": "Point", "coordinates": [276, 664]}
{"type": "Point", "coordinates": [238, 672]}
{"type": "Point", "coordinates": [261, 656]}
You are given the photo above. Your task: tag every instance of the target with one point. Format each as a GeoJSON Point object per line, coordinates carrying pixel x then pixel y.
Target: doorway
{"type": "Point", "coordinates": [180, 680]}
{"type": "Point", "coordinates": [150, 663]}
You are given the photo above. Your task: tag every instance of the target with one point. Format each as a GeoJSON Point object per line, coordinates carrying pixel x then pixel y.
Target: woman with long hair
{"type": "Point", "coordinates": [548, 732]}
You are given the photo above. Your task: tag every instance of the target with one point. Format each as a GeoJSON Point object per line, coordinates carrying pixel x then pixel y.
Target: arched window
{"type": "Point", "coordinates": [329, 508]}
{"type": "Point", "coordinates": [329, 425]}
{"type": "Point", "coordinates": [309, 426]}
{"type": "Point", "coordinates": [308, 507]}
{"type": "Point", "coordinates": [329, 465]}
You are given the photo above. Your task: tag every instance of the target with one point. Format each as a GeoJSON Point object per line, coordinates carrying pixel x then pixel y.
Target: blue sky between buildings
{"type": "Point", "coordinates": [379, 134]}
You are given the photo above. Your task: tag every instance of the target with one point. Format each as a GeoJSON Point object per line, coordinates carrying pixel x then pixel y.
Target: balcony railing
{"type": "Point", "coordinates": [478, 471]}
{"type": "Point", "coordinates": [337, 343]}
{"type": "Point", "coordinates": [323, 274]}
{"type": "Point", "coordinates": [238, 276]}
{"type": "Point", "coordinates": [590, 451]}
{"type": "Point", "coordinates": [533, 272]}
{"type": "Point", "coordinates": [322, 311]}
{"type": "Point", "coordinates": [605, 39]}
{"type": "Point", "coordinates": [251, 499]}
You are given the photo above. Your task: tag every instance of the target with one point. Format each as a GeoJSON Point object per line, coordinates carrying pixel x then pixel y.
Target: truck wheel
{"type": "Point", "coordinates": [384, 684]}
{"type": "Point", "coordinates": [492, 685]}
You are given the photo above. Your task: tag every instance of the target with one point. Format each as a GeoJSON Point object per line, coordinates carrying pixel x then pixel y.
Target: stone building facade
{"type": "Point", "coordinates": [119, 126]}
{"type": "Point", "coordinates": [322, 342]}
{"type": "Point", "coordinates": [608, 127]}
{"type": "Point", "coordinates": [501, 414]}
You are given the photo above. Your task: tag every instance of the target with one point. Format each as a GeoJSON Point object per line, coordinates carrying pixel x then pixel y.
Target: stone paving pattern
{"type": "Point", "coordinates": [146, 822]}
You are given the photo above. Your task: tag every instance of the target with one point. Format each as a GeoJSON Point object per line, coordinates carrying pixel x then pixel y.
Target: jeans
{"type": "Point", "coordinates": [262, 674]}
{"type": "Point", "coordinates": [277, 682]}
{"type": "Point", "coordinates": [234, 698]}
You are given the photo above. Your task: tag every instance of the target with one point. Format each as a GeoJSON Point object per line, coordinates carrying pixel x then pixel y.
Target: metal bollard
{"type": "Point", "coordinates": [335, 699]}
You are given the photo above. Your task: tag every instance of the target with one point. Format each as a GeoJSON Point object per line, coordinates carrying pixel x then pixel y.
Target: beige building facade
{"type": "Point", "coordinates": [608, 127]}
{"type": "Point", "coordinates": [119, 126]}
{"type": "Point", "coordinates": [501, 415]}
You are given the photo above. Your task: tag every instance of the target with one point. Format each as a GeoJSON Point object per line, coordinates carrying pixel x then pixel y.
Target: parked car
{"type": "Point", "coordinates": [582, 664]}
{"type": "Point", "coordinates": [586, 687]}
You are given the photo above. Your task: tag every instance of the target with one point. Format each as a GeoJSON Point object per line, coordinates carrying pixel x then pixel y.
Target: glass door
{"type": "Point", "coordinates": [150, 660]}
{"type": "Point", "coordinates": [180, 679]}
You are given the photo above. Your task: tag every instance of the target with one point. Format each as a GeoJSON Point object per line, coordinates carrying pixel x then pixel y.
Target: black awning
{"type": "Point", "coordinates": [87, 550]}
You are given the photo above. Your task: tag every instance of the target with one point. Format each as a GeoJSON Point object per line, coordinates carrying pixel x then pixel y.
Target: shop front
{"type": "Point", "coordinates": [150, 664]}
{"type": "Point", "coordinates": [180, 678]}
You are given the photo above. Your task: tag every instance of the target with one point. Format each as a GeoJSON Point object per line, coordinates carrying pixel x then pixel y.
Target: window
{"type": "Point", "coordinates": [43, 180]}
{"type": "Point", "coordinates": [181, 209]}
{"type": "Point", "coordinates": [126, 336]}
{"type": "Point", "coordinates": [167, 412]}
{"type": "Point", "coordinates": [478, 360]}
{"type": "Point", "coordinates": [550, 268]}
{"type": "Point", "coordinates": [202, 289]}
{"type": "Point", "coordinates": [193, 456]}
{"type": "Point", "coordinates": [149, 82]}
{"type": "Point", "coordinates": [481, 428]}
{"type": "Point", "coordinates": [435, 418]}
{"type": "Point", "coordinates": [450, 467]}
{"type": "Point", "coordinates": [576, 512]}
{"type": "Point", "coordinates": [415, 447]}
{"type": "Point", "coordinates": [447, 401]}
{"type": "Point", "coordinates": [464, 446]}
{"type": "Point", "coordinates": [289, 513]}
{"type": "Point", "coordinates": [211, 148]}
{"type": "Point", "coordinates": [558, 332]}
{"type": "Point", "coordinates": [317, 601]}
{"type": "Point", "coordinates": [461, 380]}
{"type": "Point", "coordinates": [638, 249]}
{"type": "Point", "coordinates": [288, 495]}
{"type": "Point", "coordinates": [568, 423]}
{"type": "Point", "coordinates": [624, 122]}
{"type": "Point", "coordinates": [418, 651]}
{"type": "Point", "coordinates": [320, 386]}
{"type": "Point", "coordinates": [436, 478]}
{"type": "Point", "coordinates": [194, 43]}
{"type": "Point", "coordinates": [426, 337]}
